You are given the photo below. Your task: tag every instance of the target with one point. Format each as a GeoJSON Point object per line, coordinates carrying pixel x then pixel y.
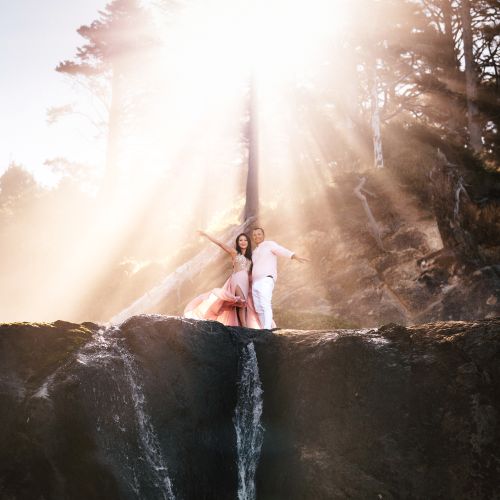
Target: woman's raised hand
{"type": "Point", "coordinates": [224, 247]}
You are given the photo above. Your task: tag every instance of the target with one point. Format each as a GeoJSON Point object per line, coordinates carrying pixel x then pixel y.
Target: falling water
{"type": "Point", "coordinates": [143, 469]}
{"type": "Point", "coordinates": [249, 431]}
{"type": "Point", "coordinates": [147, 435]}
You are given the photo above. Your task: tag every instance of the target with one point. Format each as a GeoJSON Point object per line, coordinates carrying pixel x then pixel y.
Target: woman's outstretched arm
{"type": "Point", "coordinates": [226, 248]}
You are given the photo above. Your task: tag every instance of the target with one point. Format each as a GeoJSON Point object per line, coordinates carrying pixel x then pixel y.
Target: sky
{"type": "Point", "coordinates": [35, 37]}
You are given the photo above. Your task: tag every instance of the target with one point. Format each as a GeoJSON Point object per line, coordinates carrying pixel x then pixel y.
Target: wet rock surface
{"type": "Point", "coordinates": [396, 413]}
{"type": "Point", "coordinates": [146, 410]}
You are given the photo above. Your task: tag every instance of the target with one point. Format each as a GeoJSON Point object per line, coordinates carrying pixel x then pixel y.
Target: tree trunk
{"type": "Point", "coordinates": [375, 112]}
{"type": "Point", "coordinates": [454, 80]}
{"type": "Point", "coordinates": [470, 78]}
{"type": "Point", "coordinates": [252, 186]}
{"type": "Point", "coordinates": [112, 146]}
{"type": "Point", "coordinates": [452, 56]}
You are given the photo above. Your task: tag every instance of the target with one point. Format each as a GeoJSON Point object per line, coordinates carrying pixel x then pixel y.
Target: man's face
{"type": "Point", "coordinates": [258, 236]}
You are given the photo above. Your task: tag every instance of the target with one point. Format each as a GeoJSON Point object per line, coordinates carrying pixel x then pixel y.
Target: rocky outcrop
{"type": "Point", "coordinates": [145, 410]}
{"type": "Point", "coordinates": [439, 263]}
{"type": "Point", "coordinates": [398, 413]}
{"type": "Point", "coordinates": [467, 209]}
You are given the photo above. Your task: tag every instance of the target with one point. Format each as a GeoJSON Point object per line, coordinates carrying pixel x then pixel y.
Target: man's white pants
{"type": "Point", "coordinates": [262, 292]}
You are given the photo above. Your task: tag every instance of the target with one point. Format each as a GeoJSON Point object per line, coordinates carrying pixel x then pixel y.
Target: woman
{"type": "Point", "coordinates": [232, 304]}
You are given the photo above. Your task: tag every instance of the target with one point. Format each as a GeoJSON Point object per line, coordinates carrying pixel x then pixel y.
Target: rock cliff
{"type": "Point", "coordinates": [146, 410]}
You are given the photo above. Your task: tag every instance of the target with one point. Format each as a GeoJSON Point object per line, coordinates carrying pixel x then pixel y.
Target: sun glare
{"type": "Point", "coordinates": [193, 125]}
{"type": "Point", "coordinates": [184, 154]}
{"type": "Point", "coordinates": [223, 41]}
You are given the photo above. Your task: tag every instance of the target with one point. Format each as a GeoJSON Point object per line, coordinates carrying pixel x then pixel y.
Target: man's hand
{"type": "Point", "coordinates": [300, 259]}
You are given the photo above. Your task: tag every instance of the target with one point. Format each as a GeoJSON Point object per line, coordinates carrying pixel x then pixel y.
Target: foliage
{"type": "Point", "coordinates": [16, 183]}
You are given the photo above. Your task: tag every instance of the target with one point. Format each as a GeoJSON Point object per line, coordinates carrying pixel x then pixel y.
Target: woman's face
{"type": "Point", "coordinates": [243, 242]}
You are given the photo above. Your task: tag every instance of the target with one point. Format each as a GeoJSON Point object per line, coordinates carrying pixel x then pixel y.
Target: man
{"type": "Point", "coordinates": [264, 274]}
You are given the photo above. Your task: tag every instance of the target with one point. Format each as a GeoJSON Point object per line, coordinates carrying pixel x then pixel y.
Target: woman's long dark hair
{"type": "Point", "coordinates": [248, 253]}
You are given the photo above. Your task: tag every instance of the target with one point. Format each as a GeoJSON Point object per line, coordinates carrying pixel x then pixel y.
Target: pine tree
{"type": "Point", "coordinates": [114, 45]}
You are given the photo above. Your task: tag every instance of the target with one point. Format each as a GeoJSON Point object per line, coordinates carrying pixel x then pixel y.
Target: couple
{"type": "Point", "coordinates": [235, 304]}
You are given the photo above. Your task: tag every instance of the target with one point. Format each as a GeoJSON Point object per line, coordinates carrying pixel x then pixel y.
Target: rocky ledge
{"type": "Point", "coordinates": [146, 410]}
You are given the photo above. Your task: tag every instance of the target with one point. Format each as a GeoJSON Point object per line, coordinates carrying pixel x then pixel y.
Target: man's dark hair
{"type": "Point", "coordinates": [259, 228]}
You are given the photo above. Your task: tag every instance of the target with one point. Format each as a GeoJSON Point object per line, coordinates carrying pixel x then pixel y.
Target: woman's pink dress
{"type": "Point", "coordinates": [221, 304]}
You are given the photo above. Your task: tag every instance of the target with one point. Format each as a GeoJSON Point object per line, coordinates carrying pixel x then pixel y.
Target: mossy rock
{"type": "Point", "coordinates": [303, 320]}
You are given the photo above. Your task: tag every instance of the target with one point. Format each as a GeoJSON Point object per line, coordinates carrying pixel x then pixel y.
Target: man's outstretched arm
{"type": "Point", "coordinates": [300, 259]}
{"type": "Point", "coordinates": [284, 252]}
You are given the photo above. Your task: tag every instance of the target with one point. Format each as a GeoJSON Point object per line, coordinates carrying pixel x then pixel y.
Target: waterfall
{"type": "Point", "coordinates": [147, 435]}
{"type": "Point", "coordinates": [249, 431]}
{"type": "Point", "coordinates": [115, 388]}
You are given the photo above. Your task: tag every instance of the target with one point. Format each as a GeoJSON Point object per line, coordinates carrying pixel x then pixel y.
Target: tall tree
{"type": "Point", "coordinates": [378, 155]}
{"type": "Point", "coordinates": [252, 184]}
{"type": "Point", "coordinates": [470, 78]}
{"type": "Point", "coordinates": [114, 44]}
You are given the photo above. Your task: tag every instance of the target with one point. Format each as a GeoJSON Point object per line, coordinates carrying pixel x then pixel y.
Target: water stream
{"type": "Point", "coordinates": [247, 422]}
{"type": "Point", "coordinates": [127, 436]}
